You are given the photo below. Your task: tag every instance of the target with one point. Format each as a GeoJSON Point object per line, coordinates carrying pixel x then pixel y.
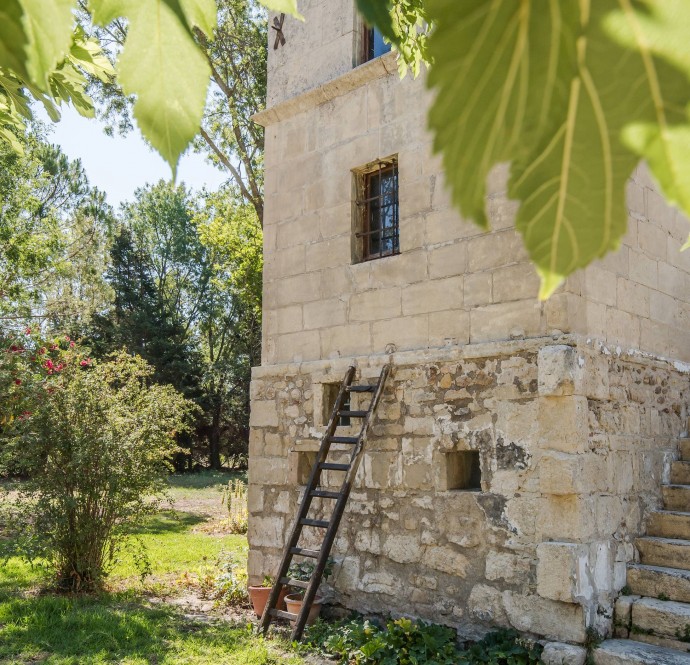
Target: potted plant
{"type": "Point", "coordinates": [303, 572]}
{"type": "Point", "coordinates": [259, 595]}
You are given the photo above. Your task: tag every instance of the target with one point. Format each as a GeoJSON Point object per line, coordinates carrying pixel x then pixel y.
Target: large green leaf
{"type": "Point", "coordinates": [287, 6]}
{"type": "Point", "coordinates": [662, 133]}
{"type": "Point", "coordinates": [573, 94]}
{"type": "Point", "coordinates": [48, 27]}
{"type": "Point", "coordinates": [201, 14]}
{"type": "Point", "coordinates": [163, 68]}
{"type": "Point", "coordinates": [13, 40]}
{"type": "Point", "coordinates": [378, 13]}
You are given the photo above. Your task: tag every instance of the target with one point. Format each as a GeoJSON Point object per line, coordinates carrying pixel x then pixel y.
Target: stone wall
{"type": "Point", "coordinates": [574, 438]}
{"type": "Point", "coordinates": [573, 443]}
{"type": "Point", "coordinates": [451, 283]}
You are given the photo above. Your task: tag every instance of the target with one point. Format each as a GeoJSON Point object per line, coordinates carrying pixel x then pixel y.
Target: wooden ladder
{"type": "Point", "coordinates": [312, 491]}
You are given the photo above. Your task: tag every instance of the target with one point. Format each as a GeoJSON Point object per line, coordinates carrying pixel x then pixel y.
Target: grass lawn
{"type": "Point", "coordinates": [133, 623]}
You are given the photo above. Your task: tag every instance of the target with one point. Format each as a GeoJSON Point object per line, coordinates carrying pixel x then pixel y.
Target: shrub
{"type": "Point", "coordinates": [227, 583]}
{"type": "Point", "coordinates": [96, 451]}
{"type": "Point", "coordinates": [235, 498]}
{"type": "Point", "coordinates": [406, 642]}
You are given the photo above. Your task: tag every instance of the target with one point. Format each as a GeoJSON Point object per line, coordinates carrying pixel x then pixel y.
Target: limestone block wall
{"type": "Point", "coordinates": [318, 49]}
{"type": "Point", "coordinates": [573, 440]}
{"type": "Point", "coordinates": [638, 297]}
{"type": "Point", "coordinates": [451, 284]}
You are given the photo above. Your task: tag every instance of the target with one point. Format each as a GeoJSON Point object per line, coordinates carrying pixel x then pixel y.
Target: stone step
{"type": "Point", "coordinates": [666, 552]}
{"type": "Point", "coordinates": [630, 652]}
{"type": "Point", "coordinates": [669, 524]}
{"type": "Point", "coordinates": [656, 580]}
{"type": "Point", "coordinates": [685, 449]}
{"type": "Point", "coordinates": [680, 473]}
{"type": "Point", "coordinates": [676, 497]}
{"type": "Point", "coordinates": [666, 642]}
{"type": "Point", "coordinates": [661, 618]}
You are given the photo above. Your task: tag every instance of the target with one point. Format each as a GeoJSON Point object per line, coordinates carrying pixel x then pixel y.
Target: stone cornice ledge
{"type": "Point", "coordinates": [369, 71]}
{"type": "Point", "coordinates": [470, 351]}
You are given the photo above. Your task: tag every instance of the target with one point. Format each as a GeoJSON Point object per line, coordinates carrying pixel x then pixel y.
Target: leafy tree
{"type": "Point", "coordinates": [158, 278]}
{"type": "Point", "coordinates": [186, 278]}
{"type": "Point", "coordinates": [42, 51]}
{"type": "Point", "coordinates": [54, 231]}
{"type": "Point", "coordinates": [230, 322]}
{"type": "Point", "coordinates": [95, 450]}
{"type": "Point", "coordinates": [572, 94]}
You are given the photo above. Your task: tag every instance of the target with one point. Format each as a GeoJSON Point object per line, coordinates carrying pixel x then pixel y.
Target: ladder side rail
{"type": "Point", "coordinates": [337, 514]}
{"type": "Point", "coordinates": [356, 457]}
{"type": "Point", "coordinates": [306, 501]}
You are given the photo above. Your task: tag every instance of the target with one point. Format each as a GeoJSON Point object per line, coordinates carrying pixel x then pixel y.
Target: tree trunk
{"type": "Point", "coordinates": [214, 440]}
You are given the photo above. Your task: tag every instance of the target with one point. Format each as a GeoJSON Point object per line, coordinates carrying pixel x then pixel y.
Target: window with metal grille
{"type": "Point", "coordinates": [377, 214]}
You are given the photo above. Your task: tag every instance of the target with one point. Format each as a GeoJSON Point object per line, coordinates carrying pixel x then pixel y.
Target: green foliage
{"type": "Point", "coordinates": [161, 65]}
{"type": "Point", "coordinates": [158, 275]}
{"type": "Point", "coordinates": [404, 23]}
{"type": "Point", "coordinates": [54, 231]}
{"type": "Point", "coordinates": [502, 647]}
{"type": "Point", "coordinates": [287, 6]}
{"type": "Point", "coordinates": [226, 582]}
{"type": "Point", "coordinates": [237, 56]}
{"type": "Point", "coordinates": [401, 642]}
{"type": "Point", "coordinates": [63, 81]}
{"type": "Point", "coordinates": [95, 450]}
{"type": "Point", "coordinates": [572, 127]}
{"type": "Point", "coordinates": [304, 570]}
{"type": "Point", "coordinates": [43, 52]}
{"type": "Point", "coordinates": [406, 642]}
{"type": "Point", "coordinates": [30, 369]}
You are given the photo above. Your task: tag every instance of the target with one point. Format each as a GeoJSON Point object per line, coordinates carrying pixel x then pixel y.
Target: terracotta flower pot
{"type": "Point", "coordinates": [259, 597]}
{"type": "Point", "coordinates": [294, 605]}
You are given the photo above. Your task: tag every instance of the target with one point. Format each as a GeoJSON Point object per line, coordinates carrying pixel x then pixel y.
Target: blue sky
{"type": "Point", "coordinates": [118, 165]}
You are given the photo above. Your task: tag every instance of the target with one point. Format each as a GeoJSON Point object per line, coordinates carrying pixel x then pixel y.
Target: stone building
{"type": "Point", "coordinates": [520, 462]}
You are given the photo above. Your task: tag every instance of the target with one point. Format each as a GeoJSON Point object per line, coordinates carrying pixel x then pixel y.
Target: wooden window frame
{"type": "Point", "coordinates": [368, 51]}
{"type": "Point", "coordinates": [363, 211]}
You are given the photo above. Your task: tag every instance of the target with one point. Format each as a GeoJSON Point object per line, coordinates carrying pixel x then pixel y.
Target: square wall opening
{"type": "Point", "coordinates": [463, 470]}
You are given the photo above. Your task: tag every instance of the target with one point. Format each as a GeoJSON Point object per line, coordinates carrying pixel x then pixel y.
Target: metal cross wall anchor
{"type": "Point", "coordinates": [278, 27]}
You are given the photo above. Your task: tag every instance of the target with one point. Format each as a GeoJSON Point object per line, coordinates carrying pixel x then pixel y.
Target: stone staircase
{"type": "Point", "coordinates": [653, 621]}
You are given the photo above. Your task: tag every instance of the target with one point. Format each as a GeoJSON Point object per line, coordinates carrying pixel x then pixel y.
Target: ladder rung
{"type": "Point", "coordinates": [330, 466]}
{"type": "Point", "coordinates": [322, 524]}
{"type": "Point", "coordinates": [281, 614]}
{"type": "Point", "coordinates": [361, 389]}
{"type": "Point", "coordinates": [325, 494]}
{"type": "Point", "coordinates": [290, 582]}
{"type": "Point", "coordinates": [344, 439]}
{"type": "Point", "coordinates": [314, 554]}
{"type": "Point", "coordinates": [352, 414]}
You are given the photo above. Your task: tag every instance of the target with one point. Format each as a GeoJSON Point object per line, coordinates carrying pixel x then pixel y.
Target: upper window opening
{"type": "Point", "coordinates": [374, 45]}
{"type": "Point", "coordinates": [377, 230]}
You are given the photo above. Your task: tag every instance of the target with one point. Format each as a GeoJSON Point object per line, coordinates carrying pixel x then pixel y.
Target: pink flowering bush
{"type": "Point", "coordinates": [29, 366]}
{"type": "Point", "coordinates": [94, 440]}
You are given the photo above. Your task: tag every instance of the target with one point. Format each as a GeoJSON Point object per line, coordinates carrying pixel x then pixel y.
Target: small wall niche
{"type": "Point", "coordinates": [463, 470]}
{"type": "Point", "coordinates": [304, 463]}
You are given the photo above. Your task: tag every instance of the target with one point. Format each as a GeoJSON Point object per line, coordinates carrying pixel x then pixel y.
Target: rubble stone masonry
{"type": "Point", "coordinates": [574, 441]}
